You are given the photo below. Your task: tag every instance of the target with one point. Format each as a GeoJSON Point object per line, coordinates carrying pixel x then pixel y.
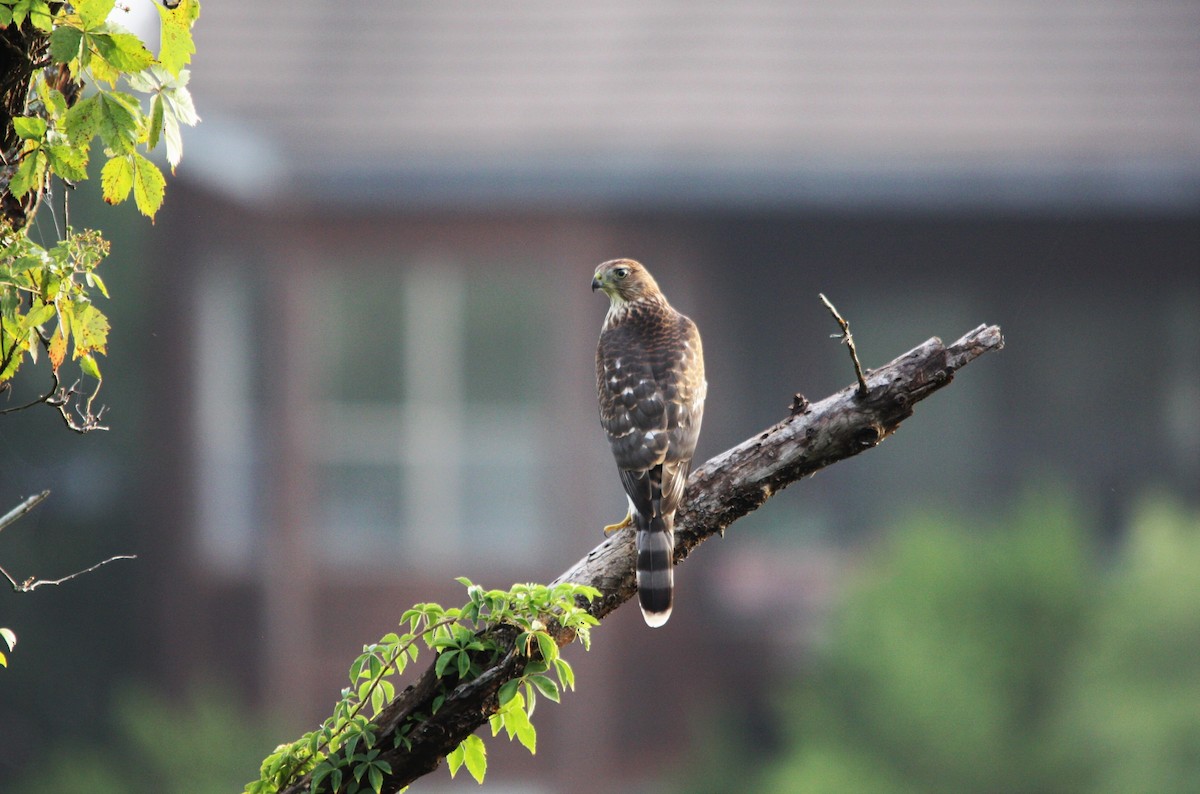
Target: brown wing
{"type": "Point", "coordinates": [651, 387]}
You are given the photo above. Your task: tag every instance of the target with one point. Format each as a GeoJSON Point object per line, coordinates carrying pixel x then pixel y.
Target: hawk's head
{"type": "Point", "coordinates": [624, 281]}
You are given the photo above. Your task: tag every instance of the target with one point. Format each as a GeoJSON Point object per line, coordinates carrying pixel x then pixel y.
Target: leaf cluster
{"type": "Point", "coordinates": [98, 81]}
{"type": "Point", "coordinates": [343, 755]}
{"type": "Point", "coordinates": [49, 289]}
{"type": "Point", "coordinates": [57, 134]}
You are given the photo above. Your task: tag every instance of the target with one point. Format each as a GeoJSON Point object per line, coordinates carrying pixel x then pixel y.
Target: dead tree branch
{"type": "Point", "coordinates": [721, 491]}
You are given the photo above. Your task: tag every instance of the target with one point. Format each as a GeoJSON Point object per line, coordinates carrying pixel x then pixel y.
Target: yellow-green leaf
{"type": "Point", "coordinates": [116, 179]}
{"type": "Point", "coordinates": [124, 51]}
{"type": "Point", "coordinates": [28, 175]}
{"type": "Point", "coordinates": [177, 47]}
{"type": "Point", "coordinates": [68, 162]}
{"type": "Point", "coordinates": [94, 278]}
{"type": "Point", "coordinates": [83, 119]}
{"type": "Point", "coordinates": [91, 330]}
{"type": "Point", "coordinates": [93, 12]}
{"type": "Point", "coordinates": [149, 184]}
{"type": "Point", "coordinates": [39, 315]}
{"type": "Point", "coordinates": [454, 759]}
{"type": "Point", "coordinates": [39, 16]}
{"type": "Point", "coordinates": [100, 69]}
{"type": "Point", "coordinates": [29, 127]}
{"type": "Point", "coordinates": [475, 755]}
{"type": "Point", "coordinates": [90, 367]}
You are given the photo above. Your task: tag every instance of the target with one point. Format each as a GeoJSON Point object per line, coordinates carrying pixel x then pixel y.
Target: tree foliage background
{"type": "Point", "coordinates": [1006, 655]}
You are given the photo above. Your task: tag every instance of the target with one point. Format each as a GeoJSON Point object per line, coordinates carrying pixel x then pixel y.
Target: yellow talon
{"type": "Point", "coordinates": [627, 521]}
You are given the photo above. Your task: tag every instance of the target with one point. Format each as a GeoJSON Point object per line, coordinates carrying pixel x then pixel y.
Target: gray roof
{"type": "Point", "coordinates": [770, 100]}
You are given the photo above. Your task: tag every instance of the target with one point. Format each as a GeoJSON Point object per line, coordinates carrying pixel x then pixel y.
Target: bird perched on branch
{"type": "Point", "coordinates": [650, 382]}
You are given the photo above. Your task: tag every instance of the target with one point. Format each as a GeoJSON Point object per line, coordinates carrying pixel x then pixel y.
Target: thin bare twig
{"type": "Point", "coordinates": [848, 338]}
{"type": "Point", "coordinates": [23, 508]}
{"type": "Point", "coordinates": [33, 583]}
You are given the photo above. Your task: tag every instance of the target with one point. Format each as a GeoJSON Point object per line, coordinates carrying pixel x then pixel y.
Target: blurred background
{"type": "Point", "coordinates": [353, 359]}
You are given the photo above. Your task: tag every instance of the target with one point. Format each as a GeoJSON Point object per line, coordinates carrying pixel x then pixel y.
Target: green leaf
{"type": "Point", "coordinates": [547, 646]}
{"type": "Point", "coordinates": [52, 98]}
{"type": "Point", "coordinates": [29, 127]}
{"type": "Point", "coordinates": [149, 185]}
{"type": "Point", "coordinates": [10, 638]}
{"type": "Point", "coordinates": [154, 131]}
{"type": "Point", "coordinates": [39, 16]}
{"type": "Point", "coordinates": [566, 675]}
{"type": "Point", "coordinates": [99, 282]}
{"type": "Point", "coordinates": [526, 733]}
{"type": "Point", "coordinates": [375, 776]}
{"type": "Point", "coordinates": [118, 127]}
{"type": "Point", "coordinates": [124, 51]}
{"type": "Point", "coordinates": [177, 47]}
{"type": "Point", "coordinates": [83, 119]}
{"type": "Point", "coordinates": [89, 367]}
{"type": "Point", "coordinates": [116, 179]}
{"type": "Point", "coordinates": [91, 330]}
{"type": "Point", "coordinates": [507, 690]}
{"type": "Point", "coordinates": [64, 43]}
{"type": "Point", "coordinates": [321, 772]}
{"type": "Point", "coordinates": [93, 12]}
{"type": "Point", "coordinates": [68, 162]}
{"type": "Point", "coordinates": [28, 175]}
{"type": "Point", "coordinates": [41, 314]}
{"type": "Point", "coordinates": [455, 759]}
{"type": "Point", "coordinates": [475, 753]}
{"type": "Point", "coordinates": [444, 660]}
{"type": "Point", "coordinates": [546, 686]}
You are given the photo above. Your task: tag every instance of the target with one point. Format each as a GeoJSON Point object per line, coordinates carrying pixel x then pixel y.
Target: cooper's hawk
{"type": "Point", "coordinates": [650, 381]}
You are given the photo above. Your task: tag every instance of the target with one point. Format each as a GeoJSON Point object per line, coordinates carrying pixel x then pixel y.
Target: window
{"type": "Point", "coordinates": [426, 437]}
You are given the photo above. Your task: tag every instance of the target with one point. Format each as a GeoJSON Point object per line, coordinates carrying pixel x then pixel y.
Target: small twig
{"type": "Point", "coordinates": [848, 338]}
{"type": "Point", "coordinates": [45, 398]}
{"type": "Point", "coordinates": [23, 508]}
{"type": "Point", "coordinates": [33, 583]}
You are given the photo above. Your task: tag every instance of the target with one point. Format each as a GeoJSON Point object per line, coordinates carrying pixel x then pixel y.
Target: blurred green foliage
{"type": "Point", "coordinates": [1008, 658]}
{"type": "Point", "coordinates": [207, 744]}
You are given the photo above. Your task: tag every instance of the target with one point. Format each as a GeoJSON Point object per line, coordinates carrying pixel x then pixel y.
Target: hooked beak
{"type": "Point", "coordinates": [596, 283]}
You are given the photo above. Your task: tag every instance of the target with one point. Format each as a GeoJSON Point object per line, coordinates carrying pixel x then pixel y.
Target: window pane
{"type": "Point", "coordinates": [360, 509]}
{"type": "Point", "coordinates": [506, 359]}
{"type": "Point", "coordinates": [359, 341]}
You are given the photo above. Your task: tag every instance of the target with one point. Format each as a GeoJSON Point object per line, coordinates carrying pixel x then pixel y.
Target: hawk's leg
{"type": "Point", "coordinates": [627, 521]}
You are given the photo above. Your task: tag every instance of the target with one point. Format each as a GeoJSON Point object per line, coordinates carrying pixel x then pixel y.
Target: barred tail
{"type": "Point", "coordinates": [655, 574]}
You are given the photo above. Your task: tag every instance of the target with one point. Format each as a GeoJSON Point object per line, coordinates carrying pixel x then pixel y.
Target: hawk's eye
{"type": "Point", "coordinates": [621, 272]}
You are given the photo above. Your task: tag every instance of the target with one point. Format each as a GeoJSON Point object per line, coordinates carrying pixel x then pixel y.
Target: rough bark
{"type": "Point", "coordinates": [20, 49]}
{"type": "Point", "coordinates": [811, 437]}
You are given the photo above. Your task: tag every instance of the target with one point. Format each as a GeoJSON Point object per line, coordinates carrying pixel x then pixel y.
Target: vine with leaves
{"type": "Point", "coordinates": [343, 755]}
